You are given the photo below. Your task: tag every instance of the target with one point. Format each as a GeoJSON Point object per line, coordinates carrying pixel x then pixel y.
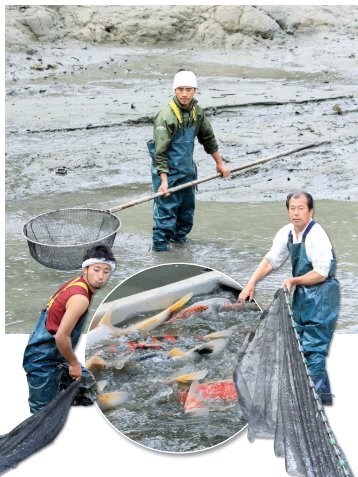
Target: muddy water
{"type": "Point", "coordinates": [229, 237]}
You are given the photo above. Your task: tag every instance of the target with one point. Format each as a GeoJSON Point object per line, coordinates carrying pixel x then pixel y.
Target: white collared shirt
{"type": "Point", "coordinates": [318, 248]}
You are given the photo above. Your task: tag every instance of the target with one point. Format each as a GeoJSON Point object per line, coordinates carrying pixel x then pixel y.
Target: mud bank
{"type": "Point", "coordinates": [226, 26]}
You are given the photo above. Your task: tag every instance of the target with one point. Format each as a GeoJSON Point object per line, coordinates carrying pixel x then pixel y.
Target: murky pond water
{"type": "Point", "coordinates": [229, 237]}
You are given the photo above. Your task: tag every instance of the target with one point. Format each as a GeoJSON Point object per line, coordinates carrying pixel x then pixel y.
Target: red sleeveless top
{"type": "Point", "coordinates": [56, 307]}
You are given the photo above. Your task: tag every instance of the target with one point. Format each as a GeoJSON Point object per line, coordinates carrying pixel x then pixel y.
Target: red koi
{"type": "Point", "coordinates": [133, 345]}
{"type": "Point", "coordinates": [224, 390]}
{"type": "Point", "coordinates": [191, 310]}
{"type": "Point", "coordinates": [165, 338]}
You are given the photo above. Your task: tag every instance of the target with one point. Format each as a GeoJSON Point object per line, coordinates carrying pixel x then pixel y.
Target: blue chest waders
{"type": "Point", "coordinates": [315, 310]}
{"type": "Point", "coordinates": [44, 364]}
{"type": "Point", "coordinates": [173, 215]}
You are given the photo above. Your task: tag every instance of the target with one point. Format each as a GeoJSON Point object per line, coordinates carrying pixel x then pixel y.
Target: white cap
{"type": "Point", "coordinates": [185, 78]}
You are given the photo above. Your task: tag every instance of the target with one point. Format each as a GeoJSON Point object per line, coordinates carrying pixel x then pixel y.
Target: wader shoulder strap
{"type": "Point", "coordinates": [310, 225]}
{"type": "Point", "coordinates": [290, 234]}
{"type": "Point", "coordinates": [75, 282]}
{"type": "Point", "coordinates": [176, 111]}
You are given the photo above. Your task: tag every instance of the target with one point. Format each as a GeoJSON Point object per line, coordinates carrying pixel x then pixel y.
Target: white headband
{"type": "Point", "coordinates": [185, 78]}
{"type": "Point", "coordinates": [93, 261]}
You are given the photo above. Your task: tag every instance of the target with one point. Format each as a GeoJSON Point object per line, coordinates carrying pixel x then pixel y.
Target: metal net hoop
{"type": "Point", "coordinates": [59, 239]}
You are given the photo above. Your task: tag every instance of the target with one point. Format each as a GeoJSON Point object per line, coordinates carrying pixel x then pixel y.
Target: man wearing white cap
{"type": "Point", "coordinates": [175, 128]}
{"type": "Point", "coordinates": [51, 345]}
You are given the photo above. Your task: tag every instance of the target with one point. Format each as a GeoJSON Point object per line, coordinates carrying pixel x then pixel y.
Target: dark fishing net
{"type": "Point", "coordinates": [60, 239]}
{"type": "Point", "coordinates": [278, 400]}
{"type": "Point", "coordinates": [37, 431]}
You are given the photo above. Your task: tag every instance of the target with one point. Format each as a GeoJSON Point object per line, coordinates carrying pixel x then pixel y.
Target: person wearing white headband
{"type": "Point", "coordinates": [50, 349]}
{"type": "Point", "coordinates": [175, 128]}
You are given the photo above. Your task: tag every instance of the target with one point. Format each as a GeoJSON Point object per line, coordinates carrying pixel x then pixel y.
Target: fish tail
{"type": "Point", "coordinates": [108, 401]}
{"type": "Point", "coordinates": [176, 353]}
{"type": "Point", "coordinates": [212, 347]}
{"type": "Point", "coordinates": [196, 375]}
{"type": "Point", "coordinates": [178, 304]}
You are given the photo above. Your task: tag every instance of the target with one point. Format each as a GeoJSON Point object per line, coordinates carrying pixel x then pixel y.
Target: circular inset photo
{"type": "Point", "coordinates": [163, 347]}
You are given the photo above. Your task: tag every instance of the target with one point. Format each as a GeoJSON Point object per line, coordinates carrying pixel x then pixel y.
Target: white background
{"type": "Point", "coordinates": [90, 446]}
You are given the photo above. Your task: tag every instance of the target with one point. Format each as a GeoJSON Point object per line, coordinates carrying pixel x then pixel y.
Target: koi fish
{"type": "Point", "coordinates": [133, 345]}
{"type": "Point", "coordinates": [187, 312]}
{"type": "Point", "coordinates": [105, 329]}
{"type": "Point", "coordinates": [185, 378]}
{"type": "Point", "coordinates": [96, 363]}
{"type": "Point", "coordinates": [193, 404]}
{"type": "Point", "coordinates": [211, 348]}
{"type": "Point", "coordinates": [224, 390]}
{"type": "Point", "coordinates": [220, 334]}
{"type": "Point", "coordinates": [153, 344]}
{"type": "Point", "coordinates": [109, 401]}
{"type": "Point", "coordinates": [165, 338]}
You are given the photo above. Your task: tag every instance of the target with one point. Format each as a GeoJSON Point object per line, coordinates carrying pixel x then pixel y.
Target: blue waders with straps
{"type": "Point", "coordinates": [173, 215]}
{"type": "Point", "coordinates": [44, 364]}
{"type": "Point", "coordinates": [315, 310]}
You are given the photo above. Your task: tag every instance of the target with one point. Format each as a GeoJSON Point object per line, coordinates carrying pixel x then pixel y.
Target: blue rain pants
{"type": "Point", "coordinates": [44, 364]}
{"type": "Point", "coordinates": [315, 310]}
{"type": "Point", "coordinates": [173, 215]}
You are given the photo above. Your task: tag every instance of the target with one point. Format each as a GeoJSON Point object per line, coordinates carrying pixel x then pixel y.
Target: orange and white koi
{"type": "Point", "coordinates": [221, 334]}
{"type": "Point", "coordinates": [109, 401]}
{"type": "Point", "coordinates": [186, 378]}
{"type": "Point", "coordinates": [211, 348]}
{"type": "Point", "coordinates": [187, 312]}
{"type": "Point", "coordinates": [105, 329]}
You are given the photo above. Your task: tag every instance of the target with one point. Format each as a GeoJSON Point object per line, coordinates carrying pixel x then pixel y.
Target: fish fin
{"type": "Point", "coordinates": [178, 304]}
{"type": "Point", "coordinates": [101, 385]}
{"type": "Point", "coordinates": [193, 400]}
{"type": "Point", "coordinates": [196, 375]}
{"type": "Point", "coordinates": [108, 401]}
{"type": "Point", "coordinates": [176, 353]}
{"type": "Point", "coordinates": [212, 347]}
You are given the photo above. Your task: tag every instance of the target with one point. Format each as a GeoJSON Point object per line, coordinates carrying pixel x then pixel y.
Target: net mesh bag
{"type": "Point", "coordinates": [59, 239]}
{"type": "Point", "coordinates": [278, 400]}
{"type": "Point", "coordinates": [37, 431]}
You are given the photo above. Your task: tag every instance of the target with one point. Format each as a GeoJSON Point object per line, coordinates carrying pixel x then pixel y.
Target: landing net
{"type": "Point", "coordinates": [278, 399]}
{"type": "Point", "coordinates": [37, 431]}
{"type": "Point", "coordinates": [59, 239]}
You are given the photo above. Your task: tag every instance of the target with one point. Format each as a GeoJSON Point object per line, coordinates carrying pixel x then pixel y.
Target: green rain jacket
{"type": "Point", "coordinates": [166, 125]}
